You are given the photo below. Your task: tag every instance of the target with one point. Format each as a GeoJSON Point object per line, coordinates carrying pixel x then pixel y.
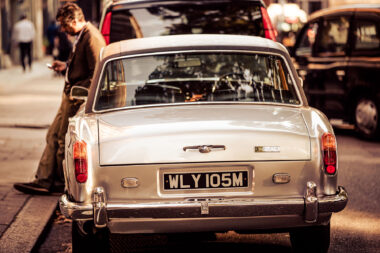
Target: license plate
{"type": "Point", "coordinates": [205, 180]}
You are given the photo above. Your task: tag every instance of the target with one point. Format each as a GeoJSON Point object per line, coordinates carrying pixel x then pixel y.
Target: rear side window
{"type": "Point", "coordinates": [333, 36]}
{"type": "Point", "coordinates": [218, 18]}
{"type": "Point", "coordinates": [307, 41]}
{"type": "Point", "coordinates": [366, 36]}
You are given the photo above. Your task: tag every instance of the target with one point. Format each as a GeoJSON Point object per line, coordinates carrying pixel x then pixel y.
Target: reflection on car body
{"type": "Point", "coordinates": [199, 133]}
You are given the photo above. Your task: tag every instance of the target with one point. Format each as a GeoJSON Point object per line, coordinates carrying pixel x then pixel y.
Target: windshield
{"type": "Point", "coordinates": [201, 77]}
{"type": "Point", "coordinates": [232, 17]}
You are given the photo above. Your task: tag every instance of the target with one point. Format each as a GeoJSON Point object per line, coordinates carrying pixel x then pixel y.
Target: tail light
{"type": "Point", "coordinates": [80, 161]}
{"type": "Point", "coordinates": [270, 32]}
{"type": "Point", "coordinates": [329, 153]}
{"type": "Point", "coordinates": [106, 28]}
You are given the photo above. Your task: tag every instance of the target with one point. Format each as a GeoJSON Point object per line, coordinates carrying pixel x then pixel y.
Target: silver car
{"type": "Point", "coordinates": [199, 133]}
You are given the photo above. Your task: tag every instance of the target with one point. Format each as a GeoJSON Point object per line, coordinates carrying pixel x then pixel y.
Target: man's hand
{"type": "Point", "coordinates": [58, 66]}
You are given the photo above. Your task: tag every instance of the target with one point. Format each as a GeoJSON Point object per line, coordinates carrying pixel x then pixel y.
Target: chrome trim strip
{"type": "Point", "coordinates": [192, 103]}
{"type": "Point", "coordinates": [248, 207]}
{"type": "Point", "coordinates": [101, 54]}
{"type": "Point", "coordinates": [75, 210]}
{"type": "Point", "coordinates": [333, 203]}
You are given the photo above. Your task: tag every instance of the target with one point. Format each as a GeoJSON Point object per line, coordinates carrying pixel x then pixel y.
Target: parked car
{"type": "Point", "coordinates": [145, 18]}
{"type": "Point", "coordinates": [199, 133]}
{"type": "Point", "coordinates": [338, 55]}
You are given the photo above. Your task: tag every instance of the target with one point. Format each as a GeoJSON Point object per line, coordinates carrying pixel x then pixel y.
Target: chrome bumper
{"type": "Point", "coordinates": [309, 207]}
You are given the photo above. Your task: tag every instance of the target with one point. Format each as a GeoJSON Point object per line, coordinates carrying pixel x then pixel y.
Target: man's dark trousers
{"type": "Point", "coordinates": [50, 170]}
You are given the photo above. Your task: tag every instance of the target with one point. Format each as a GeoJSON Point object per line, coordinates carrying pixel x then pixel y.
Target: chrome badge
{"type": "Point", "coordinates": [204, 148]}
{"type": "Point", "coordinates": [267, 149]}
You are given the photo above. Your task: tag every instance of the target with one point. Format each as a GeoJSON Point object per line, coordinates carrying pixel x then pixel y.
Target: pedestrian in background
{"type": "Point", "coordinates": [23, 35]}
{"type": "Point", "coordinates": [79, 71]}
{"type": "Point", "coordinates": [51, 33]}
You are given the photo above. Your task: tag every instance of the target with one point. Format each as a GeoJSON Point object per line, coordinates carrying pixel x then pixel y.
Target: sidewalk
{"type": "Point", "coordinates": [28, 103]}
{"type": "Point", "coordinates": [31, 98]}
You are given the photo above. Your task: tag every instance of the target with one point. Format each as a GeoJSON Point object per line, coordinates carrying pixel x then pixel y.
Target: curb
{"type": "Point", "coordinates": [31, 126]}
{"type": "Point", "coordinates": [29, 224]}
{"type": "Point", "coordinates": [45, 232]}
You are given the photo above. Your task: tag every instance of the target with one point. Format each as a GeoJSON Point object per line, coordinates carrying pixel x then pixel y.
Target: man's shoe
{"type": "Point", "coordinates": [31, 188]}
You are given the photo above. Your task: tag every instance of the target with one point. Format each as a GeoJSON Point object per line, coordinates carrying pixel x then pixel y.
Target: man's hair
{"type": "Point", "coordinates": [69, 12]}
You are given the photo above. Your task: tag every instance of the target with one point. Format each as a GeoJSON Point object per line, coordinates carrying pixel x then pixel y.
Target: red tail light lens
{"type": "Point", "coordinates": [270, 32]}
{"type": "Point", "coordinates": [80, 161]}
{"type": "Point", "coordinates": [106, 29]}
{"type": "Point", "coordinates": [329, 153]}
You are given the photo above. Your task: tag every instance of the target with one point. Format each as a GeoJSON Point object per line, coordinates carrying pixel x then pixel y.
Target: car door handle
{"type": "Point", "coordinates": [340, 73]}
{"type": "Point", "coordinates": [205, 148]}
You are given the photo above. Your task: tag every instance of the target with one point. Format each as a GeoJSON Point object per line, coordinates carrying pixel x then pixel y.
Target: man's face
{"type": "Point", "coordinates": [69, 27]}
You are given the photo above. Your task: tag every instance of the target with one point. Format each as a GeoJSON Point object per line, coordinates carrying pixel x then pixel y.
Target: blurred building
{"type": "Point", "coordinates": [309, 6]}
{"type": "Point", "coordinates": [41, 13]}
{"type": "Point", "coordinates": [38, 11]}
{"type": "Point", "coordinates": [288, 19]}
{"type": "Point", "coordinates": [288, 16]}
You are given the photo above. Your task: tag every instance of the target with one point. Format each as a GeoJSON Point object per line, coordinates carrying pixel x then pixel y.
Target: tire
{"type": "Point", "coordinates": [366, 116]}
{"type": "Point", "coordinates": [90, 242]}
{"type": "Point", "coordinates": [315, 239]}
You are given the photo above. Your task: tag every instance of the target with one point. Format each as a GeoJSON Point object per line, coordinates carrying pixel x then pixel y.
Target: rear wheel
{"type": "Point", "coordinates": [89, 241]}
{"type": "Point", "coordinates": [367, 118]}
{"type": "Point", "coordinates": [315, 239]}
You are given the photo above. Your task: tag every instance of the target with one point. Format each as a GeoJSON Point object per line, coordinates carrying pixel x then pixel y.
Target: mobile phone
{"type": "Point", "coordinates": [49, 65]}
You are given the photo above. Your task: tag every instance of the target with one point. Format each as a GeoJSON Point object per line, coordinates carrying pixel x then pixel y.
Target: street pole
{"type": "Point", "coordinates": [37, 17]}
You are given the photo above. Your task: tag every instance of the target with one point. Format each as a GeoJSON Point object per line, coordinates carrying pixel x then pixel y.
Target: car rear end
{"type": "Point", "coordinates": [146, 183]}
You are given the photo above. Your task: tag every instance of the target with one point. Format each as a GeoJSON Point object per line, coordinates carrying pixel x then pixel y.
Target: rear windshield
{"type": "Point", "coordinates": [195, 78]}
{"type": "Point", "coordinates": [218, 18]}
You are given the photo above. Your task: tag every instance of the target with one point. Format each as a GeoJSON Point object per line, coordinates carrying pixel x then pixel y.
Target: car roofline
{"type": "Point", "coordinates": [345, 8]}
{"type": "Point", "coordinates": [129, 4]}
{"type": "Point", "coordinates": [187, 41]}
{"type": "Point", "coordinates": [132, 2]}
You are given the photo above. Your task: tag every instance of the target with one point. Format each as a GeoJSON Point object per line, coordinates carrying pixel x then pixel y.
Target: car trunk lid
{"type": "Point", "coordinates": [161, 134]}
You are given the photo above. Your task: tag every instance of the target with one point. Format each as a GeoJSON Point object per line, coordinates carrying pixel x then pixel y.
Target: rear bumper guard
{"type": "Point", "coordinates": [309, 207]}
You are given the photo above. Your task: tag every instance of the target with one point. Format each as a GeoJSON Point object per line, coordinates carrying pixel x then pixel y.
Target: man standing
{"type": "Point", "coordinates": [79, 70]}
{"type": "Point", "coordinates": [23, 34]}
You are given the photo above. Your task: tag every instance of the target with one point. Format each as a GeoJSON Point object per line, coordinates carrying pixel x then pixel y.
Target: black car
{"type": "Point", "coordinates": [337, 53]}
{"type": "Point", "coordinates": [146, 18]}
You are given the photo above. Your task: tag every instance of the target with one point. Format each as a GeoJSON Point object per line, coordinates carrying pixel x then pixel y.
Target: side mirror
{"type": "Point", "coordinates": [78, 92]}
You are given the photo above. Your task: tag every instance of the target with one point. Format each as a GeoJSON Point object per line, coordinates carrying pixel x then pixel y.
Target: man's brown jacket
{"type": "Point", "coordinates": [82, 61]}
